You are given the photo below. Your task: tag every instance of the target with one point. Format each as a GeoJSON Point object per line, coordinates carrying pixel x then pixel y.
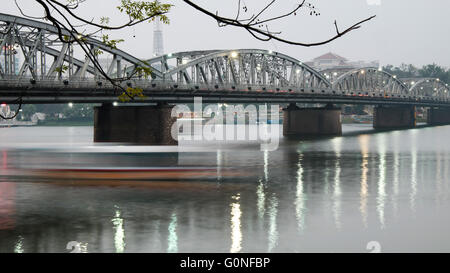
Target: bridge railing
{"type": "Point", "coordinates": [74, 85]}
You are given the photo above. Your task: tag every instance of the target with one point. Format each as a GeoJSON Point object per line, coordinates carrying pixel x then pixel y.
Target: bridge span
{"type": "Point", "coordinates": [36, 67]}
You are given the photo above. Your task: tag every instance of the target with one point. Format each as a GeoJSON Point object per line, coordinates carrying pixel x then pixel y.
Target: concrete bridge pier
{"type": "Point", "coordinates": [396, 117]}
{"type": "Point", "coordinates": [146, 125]}
{"type": "Point", "coordinates": [310, 122]}
{"type": "Point", "coordinates": [438, 116]}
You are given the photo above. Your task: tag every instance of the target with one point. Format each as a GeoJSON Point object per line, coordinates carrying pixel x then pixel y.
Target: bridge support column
{"type": "Point", "coordinates": [438, 116]}
{"type": "Point", "coordinates": [312, 121]}
{"type": "Point", "coordinates": [397, 117]}
{"type": "Point", "coordinates": [149, 125]}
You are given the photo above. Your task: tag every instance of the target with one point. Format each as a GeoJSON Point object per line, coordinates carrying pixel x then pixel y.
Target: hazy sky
{"type": "Point", "coordinates": [405, 31]}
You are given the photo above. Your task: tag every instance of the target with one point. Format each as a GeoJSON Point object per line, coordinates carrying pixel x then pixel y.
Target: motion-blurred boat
{"type": "Point", "coordinates": [131, 173]}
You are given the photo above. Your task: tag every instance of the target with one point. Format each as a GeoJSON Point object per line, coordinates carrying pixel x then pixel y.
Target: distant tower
{"type": "Point", "coordinates": [158, 47]}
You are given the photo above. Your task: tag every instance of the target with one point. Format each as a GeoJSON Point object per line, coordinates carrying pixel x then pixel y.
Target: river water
{"type": "Point", "coordinates": [323, 195]}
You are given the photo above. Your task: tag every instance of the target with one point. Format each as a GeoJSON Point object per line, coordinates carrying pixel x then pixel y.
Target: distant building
{"type": "Point", "coordinates": [332, 61]}
{"type": "Point", "coordinates": [328, 60]}
{"type": "Point", "coordinates": [332, 66]}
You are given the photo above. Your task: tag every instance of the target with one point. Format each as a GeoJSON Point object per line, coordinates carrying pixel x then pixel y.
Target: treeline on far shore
{"type": "Point", "coordinates": [426, 71]}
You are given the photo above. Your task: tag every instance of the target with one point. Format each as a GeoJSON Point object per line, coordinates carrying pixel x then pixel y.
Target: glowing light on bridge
{"type": "Point", "coordinates": [70, 104]}
{"type": "Point", "coordinates": [115, 103]}
{"type": "Point", "coordinates": [234, 54]}
{"type": "Point", "coordinates": [363, 71]}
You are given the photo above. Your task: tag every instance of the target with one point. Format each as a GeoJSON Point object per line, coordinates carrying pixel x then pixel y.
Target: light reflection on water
{"type": "Point", "coordinates": [381, 197]}
{"type": "Point", "coordinates": [236, 233]}
{"type": "Point", "coordinates": [364, 193]}
{"type": "Point", "coordinates": [300, 200]}
{"type": "Point", "coordinates": [119, 233]}
{"type": "Point", "coordinates": [337, 183]}
{"type": "Point", "coordinates": [173, 238]}
{"type": "Point", "coordinates": [325, 195]}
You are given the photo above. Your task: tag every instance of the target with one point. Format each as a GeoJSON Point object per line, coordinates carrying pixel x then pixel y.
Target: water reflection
{"type": "Point", "coordinates": [300, 206]}
{"type": "Point", "coordinates": [364, 192]}
{"type": "Point", "coordinates": [4, 160]}
{"type": "Point", "coordinates": [413, 193]}
{"type": "Point", "coordinates": [260, 190]}
{"type": "Point", "coordinates": [219, 164]}
{"type": "Point", "coordinates": [442, 176]}
{"type": "Point", "coordinates": [326, 176]}
{"type": "Point", "coordinates": [18, 248]}
{"type": "Point", "coordinates": [381, 194]}
{"type": "Point", "coordinates": [172, 240]}
{"type": "Point", "coordinates": [278, 208]}
{"type": "Point", "coordinates": [119, 232]}
{"type": "Point", "coordinates": [337, 145]}
{"type": "Point", "coordinates": [236, 232]}
{"type": "Point", "coordinates": [396, 184]}
{"type": "Point", "coordinates": [273, 229]}
{"type": "Point", "coordinates": [261, 199]}
{"type": "Point", "coordinates": [266, 165]}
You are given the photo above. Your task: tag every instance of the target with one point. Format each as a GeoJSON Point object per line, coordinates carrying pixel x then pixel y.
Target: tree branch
{"type": "Point", "coordinates": [266, 35]}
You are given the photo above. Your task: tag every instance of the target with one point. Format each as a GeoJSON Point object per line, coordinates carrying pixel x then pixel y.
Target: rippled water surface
{"type": "Point", "coordinates": [323, 195]}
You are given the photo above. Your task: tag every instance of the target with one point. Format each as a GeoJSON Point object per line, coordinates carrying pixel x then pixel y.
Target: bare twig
{"type": "Point", "coordinates": [267, 35]}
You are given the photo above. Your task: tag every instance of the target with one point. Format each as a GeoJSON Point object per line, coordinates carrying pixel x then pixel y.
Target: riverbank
{"type": "Point", "coordinates": [66, 123]}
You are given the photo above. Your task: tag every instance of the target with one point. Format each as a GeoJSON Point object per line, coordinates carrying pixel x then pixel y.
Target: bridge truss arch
{"type": "Point", "coordinates": [431, 88]}
{"type": "Point", "coordinates": [246, 69]}
{"type": "Point", "coordinates": [370, 81]}
{"type": "Point", "coordinates": [41, 53]}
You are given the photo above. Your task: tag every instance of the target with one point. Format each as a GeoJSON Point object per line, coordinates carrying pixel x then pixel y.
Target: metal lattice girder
{"type": "Point", "coordinates": [370, 81]}
{"type": "Point", "coordinates": [247, 67]}
{"type": "Point", "coordinates": [243, 74]}
{"type": "Point", "coordinates": [38, 41]}
{"type": "Point", "coordinates": [430, 87]}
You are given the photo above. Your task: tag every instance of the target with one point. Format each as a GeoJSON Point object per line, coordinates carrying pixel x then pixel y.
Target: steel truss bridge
{"type": "Point", "coordinates": [31, 53]}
